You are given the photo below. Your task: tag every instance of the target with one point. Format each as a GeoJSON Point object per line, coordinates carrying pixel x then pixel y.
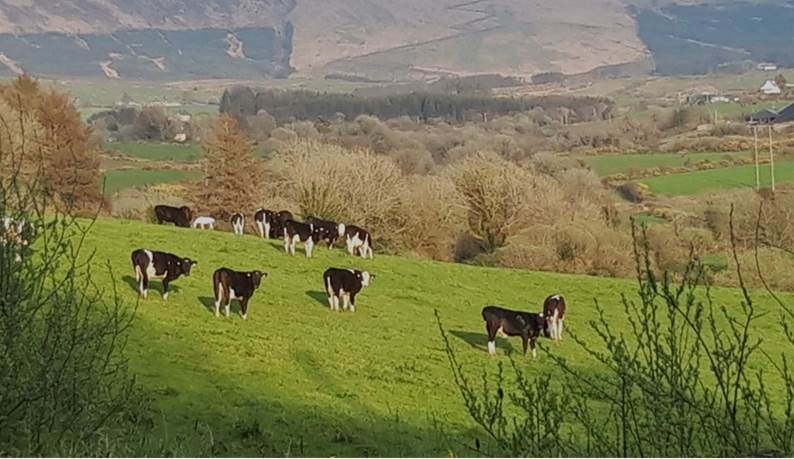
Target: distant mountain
{"type": "Point", "coordinates": [384, 40]}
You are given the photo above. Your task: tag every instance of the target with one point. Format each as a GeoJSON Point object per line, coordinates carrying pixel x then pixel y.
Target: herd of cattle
{"type": "Point", "coordinates": [339, 284]}
{"type": "Point", "coordinates": [228, 284]}
{"type": "Point", "coordinates": [271, 224]}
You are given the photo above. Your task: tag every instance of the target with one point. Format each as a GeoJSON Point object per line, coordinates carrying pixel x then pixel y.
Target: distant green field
{"type": "Point", "coordinates": [116, 180]}
{"type": "Point", "coordinates": [616, 164]}
{"type": "Point", "coordinates": [157, 151]}
{"type": "Point", "coordinates": [296, 379]}
{"type": "Point", "coordinates": [730, 177]}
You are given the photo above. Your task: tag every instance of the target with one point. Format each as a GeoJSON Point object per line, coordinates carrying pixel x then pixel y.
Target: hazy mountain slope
{"type": "Point", "coordinates": [384, 39]}
{"type": "Point", "coordinates": [381, 39]}
{"type": "Point", "coordinates": [85, 16]}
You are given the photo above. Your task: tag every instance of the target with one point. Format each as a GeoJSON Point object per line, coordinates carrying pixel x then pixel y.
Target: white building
{"type": "Point", "coordinates": [770, 88]}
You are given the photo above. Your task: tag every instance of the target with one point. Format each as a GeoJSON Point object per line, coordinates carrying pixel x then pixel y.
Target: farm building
{"type": "Point", "coordinates": [770, 88]}
{"type": "Point", "coordinates": [772, 116]}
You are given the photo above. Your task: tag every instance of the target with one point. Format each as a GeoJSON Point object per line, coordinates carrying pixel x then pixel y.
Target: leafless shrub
{"type": "Point", "coordinates": [351, 186]}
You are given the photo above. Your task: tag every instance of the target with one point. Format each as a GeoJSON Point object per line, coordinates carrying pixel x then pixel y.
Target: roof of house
{"type": "Point", "coordinates": [770, 115]}
{"type": "Point", "coordinates": [770, 85]}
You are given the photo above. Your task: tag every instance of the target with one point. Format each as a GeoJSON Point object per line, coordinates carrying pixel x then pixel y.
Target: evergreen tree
{"type": "Point", "coordinates": [233, 173]}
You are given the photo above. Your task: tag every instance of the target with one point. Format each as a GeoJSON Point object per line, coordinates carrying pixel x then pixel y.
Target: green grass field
{"type": "Point", "coordinates": [715, 179]}
{"type": "Point", "coordinates": [615, 164]}
{"type": "Point", "coordinates": [157, 151]}
{"type": "Point", "coordinates": [120, 179]}
{"type": "Point", "coordinates": [317, 383]}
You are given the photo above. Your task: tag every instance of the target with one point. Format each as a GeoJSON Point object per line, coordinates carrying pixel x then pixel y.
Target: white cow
{"type": "Point", "coordinates": [204, 223]}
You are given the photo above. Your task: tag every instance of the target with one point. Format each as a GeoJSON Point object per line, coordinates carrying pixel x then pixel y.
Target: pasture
{"type": "Point", "coordinates": [119, 179]}
{"type": "Point", "coordinates": [605, 165]}
{"type": "Point", "coordinates": [690, 183]}
{"type": "Point", "coordinates": [297, 379]}
{"type": "Point", "coordinates": [157, 151]}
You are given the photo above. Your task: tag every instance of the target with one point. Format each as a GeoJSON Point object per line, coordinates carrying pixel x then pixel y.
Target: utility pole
{"type": "Point", "coordinates": [771, 159]}
{"type": "Point", "coordinates": [755, 150]}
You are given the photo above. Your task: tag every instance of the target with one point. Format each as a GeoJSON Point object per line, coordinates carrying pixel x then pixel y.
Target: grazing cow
{"type": "Point", "coordinates": [329, 231]}
{"type": "Point", "coordinates": [554, 312]}
{"type": "Point", "coordinates": [235, 285]}
{"type": "Point", "coordinates": [158, 265]}
{"type": "Point", "coordinates": [303, 232]}
{"type": "Point", "coordinates": [358, 239]}
{"type": "Point", "coordinates": [179, 216]}
{"type": "Point", "coordinates": [238, 224]}
{"type": "Point", "coordinates": [204, 222]}
{"type": "Point", "coordinates": [13, 237]}
{"type": "Point", "coordinates": [527, 325]}
{"type": "Point", "coordinates": [270, 224]}
{"type": "Point", "coordinates": [345, 284]}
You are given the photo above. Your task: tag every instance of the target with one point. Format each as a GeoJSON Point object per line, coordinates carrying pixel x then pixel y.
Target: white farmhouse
{"type": "Point", "coordinates": [770, 88]}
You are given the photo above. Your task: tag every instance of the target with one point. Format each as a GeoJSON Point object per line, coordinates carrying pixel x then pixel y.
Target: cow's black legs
{"type": "Point", "coordinates": [165, 288]}
{"type": "Point", "coordinates": [218, 299]}
{"type": "Point", "coordinates": [244, 308]}
{"type": "Point", "coordinates": [533, 345]}
{"type": "Point", "coordinates": [352, 302]}
{"type": "Point", "coordinates": [525, 341]}
{"type": "Point", "coordinates": [144, 285]}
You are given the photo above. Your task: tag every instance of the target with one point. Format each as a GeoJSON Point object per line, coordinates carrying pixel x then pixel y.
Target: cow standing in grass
{"type": "Point", "coordinates": [179, 216]}
{"type": "Point", "coordinates": [295, 232]}
{"type": "Point", "coordinates": [528, 325]}
{"type": "Point", "coordinates": [204, 222]}
{"type": "Point", "coordinates": [554, 312]}
{"type": "Point", "coordinates": [345, 284]}
{"type": "Point", "coordinates": [329, 230]}
{"type": "Point", "coordinates": [238, 223]}
{"type": "Point", "coordinates": [158, 265]}
{"type": "Point", "coordinates": [358, 240]}
{"type": "Point", "coordinates": [270, 224]}
{"type": "Point", "coordinates": [235, 285]}
{"type": "Point", "coordinates": [12, 237]}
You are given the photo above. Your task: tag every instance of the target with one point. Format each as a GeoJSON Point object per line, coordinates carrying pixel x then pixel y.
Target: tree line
{"type": "Point", "coordinates": [286, 106]}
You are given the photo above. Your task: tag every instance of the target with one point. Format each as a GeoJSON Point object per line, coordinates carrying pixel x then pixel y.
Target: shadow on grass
{"type": "Point", "coordinates": [480, 340]}
{"type": "Point", "coordinates": [155, 286]}
{"type": "Point", "coordinates": [320, 297]}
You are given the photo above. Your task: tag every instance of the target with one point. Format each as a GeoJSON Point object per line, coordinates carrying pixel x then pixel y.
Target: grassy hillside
{"type": "Point", "coordinates": [715, 179]}
{"type": "Point", "coordinates": [157, 151]}
{"type": "Point", "coordinates": [296, 379]}
{"type": "Point", "coordinates": [614, 164]}
{"type": "Point", "coordinates": [120, 179]}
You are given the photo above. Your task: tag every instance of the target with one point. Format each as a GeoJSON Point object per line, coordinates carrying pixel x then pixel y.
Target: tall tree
{"type": "Point", "coordinates": [41, 130]}
{"type": "Point", "coordinates": [232, 172]}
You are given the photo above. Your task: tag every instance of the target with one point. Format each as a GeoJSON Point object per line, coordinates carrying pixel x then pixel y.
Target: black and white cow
{"type": "Point", "coordinates": [345, 284]}
{"type": "Point", "coordinates": [358, 239]}
{"type": "Point", "coordinates": [554, 312]}
{"type": "Point", "coordinates": [235, 285]}
{"type": "Point", "coordinates": [179, 216]}
{"type": "Point", "coordinates": [329, 231]}
{"type": "Point", "coordinates": [527, 325]}
{"type": "Point", "coordinates": [158, 265]}
{"type": "Point", "coordinates": [238, 223]}
{"type": "Point", "coordinates": [13, 237]}
{"type": "Point", "coordinates": [270, 224]}
{"type": "Point", "coordinates": [295, 232]}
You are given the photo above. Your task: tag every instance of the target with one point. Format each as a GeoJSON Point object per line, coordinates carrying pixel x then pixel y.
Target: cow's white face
{"type": "Point", "coordinates": [365, 277]}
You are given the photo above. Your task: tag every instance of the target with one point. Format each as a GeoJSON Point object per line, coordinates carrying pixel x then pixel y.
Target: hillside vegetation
{"type": "Point", "coordinates": [296, 379]}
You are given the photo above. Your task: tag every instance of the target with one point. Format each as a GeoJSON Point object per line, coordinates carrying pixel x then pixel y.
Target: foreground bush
{"type": "Point", "coordinates": [64, 385]}
{"type": "Point", "coordinates": [681, 383]}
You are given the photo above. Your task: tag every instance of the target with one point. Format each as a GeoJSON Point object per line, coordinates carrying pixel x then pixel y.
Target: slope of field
{"type": "Point", "coordinates": [115, 180]}
{"type": "Point", "coordinates": [615, 164]}
{"type": "Point", "coordinates": [296, 379]}
{"type": "Point", "coordinates": [157, 151]}
{"type": "Point", "coordinates": [723, 178]}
